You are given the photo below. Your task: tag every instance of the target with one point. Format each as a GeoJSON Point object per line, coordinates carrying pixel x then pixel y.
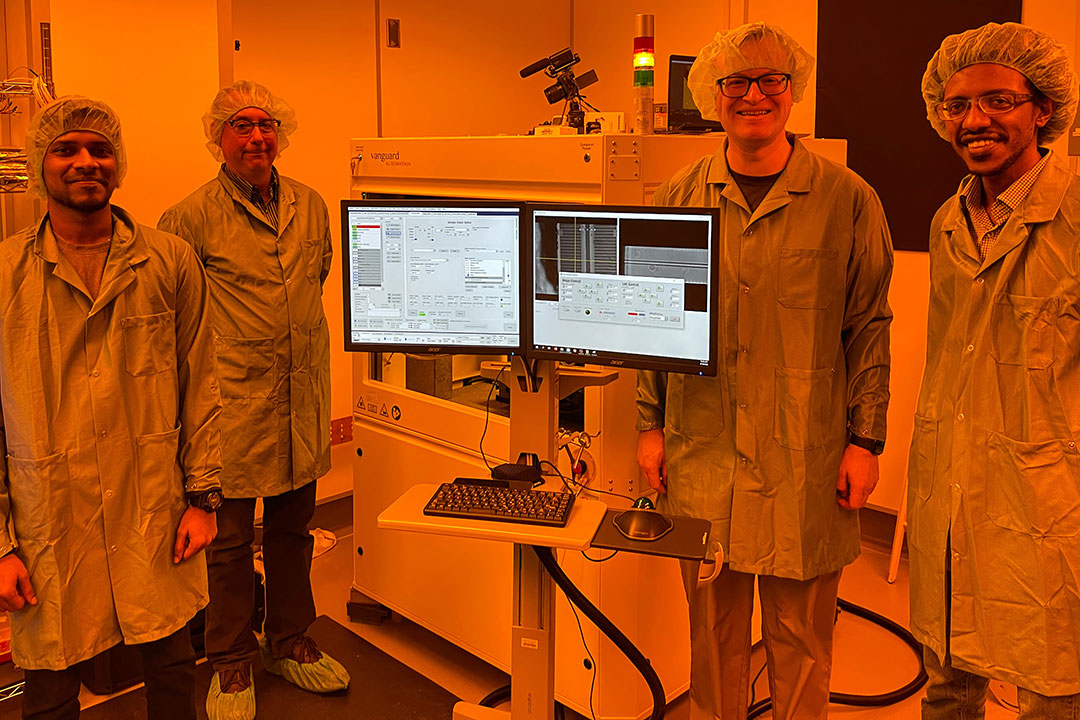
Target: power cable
{"type": "Point", "coordinates": [881, 699]}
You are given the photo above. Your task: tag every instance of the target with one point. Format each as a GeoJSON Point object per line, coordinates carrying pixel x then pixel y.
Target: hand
{"type": "Point", "coordinates": [651, 458]}
{"type": "Point", "coordinates": [197, 530]}
{"type": "Point", "coordinates": [15, 589]}
{"type": "Point", "coordinates": [858, 477]}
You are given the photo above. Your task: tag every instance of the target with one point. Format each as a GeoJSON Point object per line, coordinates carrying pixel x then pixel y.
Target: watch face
{"type": "Point", "coordinates": [213, 500]}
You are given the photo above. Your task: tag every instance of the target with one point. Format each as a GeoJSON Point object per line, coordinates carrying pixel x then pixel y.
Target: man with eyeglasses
{"type": "Point", "coordinates": [779, 450]}
{"type": "Point", "coordinates": [994, 471]}
{"type": "Point", "coordinates": [265, 242]}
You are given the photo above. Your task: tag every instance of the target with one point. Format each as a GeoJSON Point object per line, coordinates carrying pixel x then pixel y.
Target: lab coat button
{"type": "Point", "coordinates": [743, 349]}
{"type": "Point", "coordinates": [960, 416]}
{"type": "Point", "coordinates": [746, 289]}
{"type": "Point", "coordinates": [970, 348]}
{"type": "Point", "coordinates": [748, 233]}
{"type": "Point", "coordinates": [979, 280]}
{"type": "Point", "coordinates": [956, 556]}
{"type": "Point", "coordinates": [104, 433]}
{"type": "Point", "coordinates": [112, 548]}
{"type": "Point", "coordinates": [96, 373]}
{"type": "Point", "coordinates": [288, 281]}
{"type": "Point", "coordinates": [742, 406]}
{"type": "Point", "coordinates": [108, 493]}
{"type": "Point", "coordinates": [295, 326]}
{"type": "Point", "coordinates": [1072, 445]}
{"type": "Point", "coordinates": [956, 487]}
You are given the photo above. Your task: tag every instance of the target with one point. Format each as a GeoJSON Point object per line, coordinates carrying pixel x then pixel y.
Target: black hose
{"type": "Point", "coordinates": [881, 699]}
{"type": "Point", "coordinates": [502, 694]}
{"type": "Point", "coordinates": [639, 661]}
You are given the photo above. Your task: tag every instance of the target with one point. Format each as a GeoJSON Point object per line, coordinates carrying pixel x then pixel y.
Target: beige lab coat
{"type": "Point", "coordinates": [110, 409]}
{"type": "Point", "coordinates": [994, 460]}
{"type": "Point", "coordinates": [270, 333]}
{"type": "Point", "coordinates": [803, 359]}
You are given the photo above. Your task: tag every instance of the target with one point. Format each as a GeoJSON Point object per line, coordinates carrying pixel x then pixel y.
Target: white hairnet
{"type": "Point", "coordinates": [1033, 54]}
{"type": "Point", "coordinates": [234, 98]}
{"type": "Point", "coordinates": [63, 115]}
{"type": "Point", "coordinates": [754, 45]}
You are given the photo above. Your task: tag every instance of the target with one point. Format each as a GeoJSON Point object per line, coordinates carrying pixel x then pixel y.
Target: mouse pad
{"type": "Point", "coordinates": [687, 540]}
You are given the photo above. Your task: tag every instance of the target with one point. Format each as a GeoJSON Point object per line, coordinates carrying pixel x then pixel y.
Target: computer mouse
{"type": "Point", "coordinates": [642, 524]}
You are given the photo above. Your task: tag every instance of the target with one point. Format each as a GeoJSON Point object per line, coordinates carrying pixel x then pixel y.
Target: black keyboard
{"type": "Point", "coordinates": [502, 503]}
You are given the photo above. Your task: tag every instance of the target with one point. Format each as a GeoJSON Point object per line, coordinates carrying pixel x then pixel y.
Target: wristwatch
{"type": "Point", "coordinates": [207, 500]}
{"type": "Point", "coordinates": [874, 446]}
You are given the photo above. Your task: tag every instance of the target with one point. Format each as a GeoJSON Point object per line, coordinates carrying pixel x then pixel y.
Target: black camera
{"type": "Point", "coordinates": [559, 67]}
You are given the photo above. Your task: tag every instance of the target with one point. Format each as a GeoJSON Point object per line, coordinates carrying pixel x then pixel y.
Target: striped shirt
{"type": "Point", "coordinates": [268, 208]}
{"type": "Point", "coordinates": [985, 226]}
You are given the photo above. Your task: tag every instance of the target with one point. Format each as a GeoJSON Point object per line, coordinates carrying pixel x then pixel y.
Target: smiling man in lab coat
{"type": "Point", "coordinates": [265, 242]}
{"type": "Point", "coordinates": [109, 427]}
{"type": "Point", "coordinates": [994, 473]}
{"type": "Point", "coordinates": [780, 449]}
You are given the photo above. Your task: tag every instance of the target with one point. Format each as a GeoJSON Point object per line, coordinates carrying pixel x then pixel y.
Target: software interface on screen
{"type": "Point", "coordinates": [438, 276]}
{"type": "Point", "coordinates": [634, 283]}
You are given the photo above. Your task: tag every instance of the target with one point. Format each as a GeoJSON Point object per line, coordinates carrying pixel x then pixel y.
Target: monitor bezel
{"type": "Point", "coordinates": [679, 117]}
{"type": "Point", "coordinates": [617, 359]}
{"type": "Point", "coordinates": [524, 255]}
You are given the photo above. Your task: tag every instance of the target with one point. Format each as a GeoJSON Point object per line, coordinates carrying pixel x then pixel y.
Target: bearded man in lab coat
{"type": "Point", "coordinates": [265, 242]}
{"type": "Point", "coordinates": [779, 449]}
{"type": "Point", "coordinates": [994, 473]}
{"type": "Point", "coordinates": [109, 427]}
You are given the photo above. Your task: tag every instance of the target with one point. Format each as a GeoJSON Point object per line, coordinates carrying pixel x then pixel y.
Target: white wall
{"type": "Point", "coordinates": [155, 64]}
{"type": "Point", "coordinates": [456, 72]}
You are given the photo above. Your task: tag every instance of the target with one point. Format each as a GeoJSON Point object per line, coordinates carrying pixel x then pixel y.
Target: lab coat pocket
{"type": "Point", "coordinates": [801, 407]}
{"type": "Point", "coordinates": [695, 405]}
{"type": "Point", "coordinates": [160, 479]}
{"type": "Point", "coordinates": [807, 277]}
{"type": "Point", "coordinates": [1033, 487]}
{"type": "Point", "coordinates": [40, 493]}
{"type": "Point", "coordinates": [312, 251]}
{"type": "Point", "coordinates": [245, 366]}
{"type": "Point", "coordinates": [1022, 330]}
{"type": "Point", "coordinates": [923, 456]}
{"type": "Point", "coordinates": [149, 343]}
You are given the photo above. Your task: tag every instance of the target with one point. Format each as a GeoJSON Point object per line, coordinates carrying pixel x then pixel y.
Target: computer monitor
{"type": "Point", "coordinates": [432, 276]}
{"type": "Point", "coordinates": [683, 114]}
{"type": "Point", "coordinates": [625, 286]}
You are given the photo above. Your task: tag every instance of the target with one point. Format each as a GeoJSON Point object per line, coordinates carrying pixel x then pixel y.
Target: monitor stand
{"type": "Point", "coordinates": [534, 420]}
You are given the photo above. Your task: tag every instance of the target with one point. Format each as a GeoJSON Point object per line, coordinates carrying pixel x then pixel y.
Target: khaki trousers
{"type": "Point", "coordinates": [797, 627]}
{"type": "Point", "coordinates": [958, 695]}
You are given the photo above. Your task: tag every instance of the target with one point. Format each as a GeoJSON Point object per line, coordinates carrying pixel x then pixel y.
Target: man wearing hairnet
{"type": "Point", "coordinates": [994, 472]}
{"type": "Point", "coordinates": [109, 427]}
{"type": "Point", "coordinates": [265, 242]}
{"type": "Point", "coordinates": [778, 450]}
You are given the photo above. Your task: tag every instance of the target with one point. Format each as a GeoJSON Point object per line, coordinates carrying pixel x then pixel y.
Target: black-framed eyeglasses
{"type": "Point", "coordinates": [992, 104]}
{"type": "Point", "coordinates": [243, 128]}
{"type": "Point", "coordinates": [736, 86]}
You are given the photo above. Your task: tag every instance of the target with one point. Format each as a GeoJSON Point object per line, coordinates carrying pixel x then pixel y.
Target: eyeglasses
{"type": "Point", "coordinates": [243, 128]}
{"type": "Point", "coordinates": [994, 104]}
{"type": "Point", "coordinates": [736, 86]}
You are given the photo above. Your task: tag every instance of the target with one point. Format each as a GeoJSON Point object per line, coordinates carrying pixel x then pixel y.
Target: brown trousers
{"type": "Point", "coordinates": [287, 547]}
{"type": "Point", "coordinates": [797, 627]}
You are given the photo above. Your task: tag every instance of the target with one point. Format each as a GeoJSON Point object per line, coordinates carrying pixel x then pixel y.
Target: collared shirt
{"type": "Point", "coordinates": [269, 208]}
{"type": "Point", "coordinates": [985, 226]}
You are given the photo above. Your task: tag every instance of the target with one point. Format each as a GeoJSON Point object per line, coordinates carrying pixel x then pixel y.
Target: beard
{"type": "Point", "coordinates": [79, 200]}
